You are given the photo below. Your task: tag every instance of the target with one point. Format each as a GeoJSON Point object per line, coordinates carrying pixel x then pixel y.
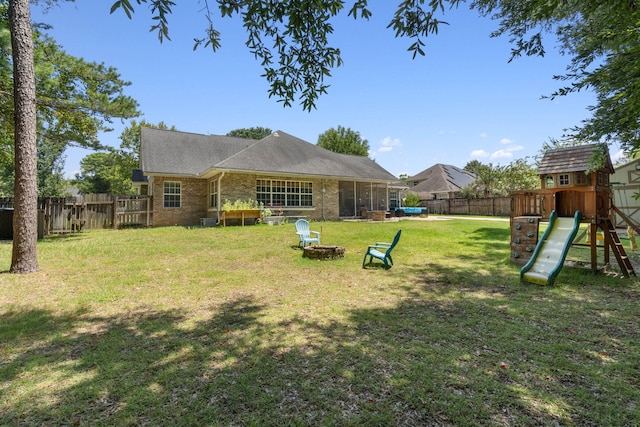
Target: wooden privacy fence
{"type": "Point", "coordinates": [91, 212]}
{"type": "Point", "coordinates": [492, 206]}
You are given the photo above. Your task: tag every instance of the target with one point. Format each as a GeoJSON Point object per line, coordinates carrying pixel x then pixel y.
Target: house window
{"type": "Point", "coordinates": [443, 196]}
{"type": "Point", "coordinates": [393, 199]}
{"type": "Point", "coordinates": [563, 179]}
{"type": "Point", "coordinates": [213, 194]}
{"type": "Point", "coordinates": [171, 194]}
{"type": "Point", "coordinates": [284, 193]}
{"type": "Point", "coordinates": [549, 182]}
{"type": "Point", "coordinates": [581, 178]}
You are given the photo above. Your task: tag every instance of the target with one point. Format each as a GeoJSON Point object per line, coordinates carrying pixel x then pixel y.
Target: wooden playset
{"type": "Point", "coordinates": [569, 184]}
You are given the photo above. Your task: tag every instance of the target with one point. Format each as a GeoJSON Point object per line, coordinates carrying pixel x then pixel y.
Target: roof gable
{"type": "Point", "coordinates": [182, 153]}
{"type": "Point", "coordinates": [441, 178]}
{"type": "Point", "coordinates": [278, 153]}
{"type": "Point", "coordinates": [573, 159]}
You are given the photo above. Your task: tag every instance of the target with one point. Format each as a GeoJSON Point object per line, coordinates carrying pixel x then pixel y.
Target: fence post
{"type": "Point", "coordinates": [48, 226]}
{"type": "Point", "coordinates": [115, 213]}
{"type": "Point", "coordinates": [84, 219]}
{"type": "Point", "coordinates": [148, 210]}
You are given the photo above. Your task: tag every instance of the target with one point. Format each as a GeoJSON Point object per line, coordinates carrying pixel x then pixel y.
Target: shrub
{"type": "Point", "coordinates": [411, 200]}
{"type": "Point", "coordinates": [237, 205]}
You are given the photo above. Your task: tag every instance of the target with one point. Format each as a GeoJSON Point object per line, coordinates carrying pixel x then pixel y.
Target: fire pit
{"type": "Point", "coordinates": [323, 252]}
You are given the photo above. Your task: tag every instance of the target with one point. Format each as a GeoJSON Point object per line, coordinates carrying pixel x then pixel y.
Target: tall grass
{"type": "Point", "coordinates": [232, 326]}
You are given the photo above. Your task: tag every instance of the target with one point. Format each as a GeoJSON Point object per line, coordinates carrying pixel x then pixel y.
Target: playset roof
{"type": "Point", "coordinates": [573, 159]}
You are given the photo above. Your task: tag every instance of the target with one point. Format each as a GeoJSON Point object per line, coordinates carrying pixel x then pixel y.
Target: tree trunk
{"type": "Point", "coordinates": [25, 214]}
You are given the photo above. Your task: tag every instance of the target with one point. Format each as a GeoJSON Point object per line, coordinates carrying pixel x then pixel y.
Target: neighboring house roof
{"type": "Point", "coordinates": [399, 185]}
{"type": "Point", "coordinates": [572, 159]}
{"type": "Point", "coordinates": [72, 192]}
{"type": "Point", "coordinates": [178, 153]}
{"type": "Point", "coordinates": [137, 177]}
{"type": "Point", "coordinates": [440, 178]}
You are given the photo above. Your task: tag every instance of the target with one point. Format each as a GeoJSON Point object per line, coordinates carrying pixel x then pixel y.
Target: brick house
{"type": "Point", "coordinates": [191, 175]}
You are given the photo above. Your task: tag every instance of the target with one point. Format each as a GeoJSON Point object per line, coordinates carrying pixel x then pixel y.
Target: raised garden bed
{"type": "Point", "coordinates": [242, 215]}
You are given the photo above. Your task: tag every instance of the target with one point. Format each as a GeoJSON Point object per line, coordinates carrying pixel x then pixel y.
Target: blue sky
{"type": "Point", "coordinates": [462, 101]}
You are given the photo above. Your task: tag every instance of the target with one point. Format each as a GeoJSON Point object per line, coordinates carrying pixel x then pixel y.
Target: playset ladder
{"type": "Point", "coordinates": [626, 219]}
{"type": "Point", "coordinates": [613, 241]}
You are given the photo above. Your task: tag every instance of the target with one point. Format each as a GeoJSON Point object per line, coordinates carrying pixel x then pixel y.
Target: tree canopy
{"type": "Point", "coordinates": [251, 133]}
{"type": "Point", "coordinates": [290, 39]}
{"type": "Point", "coordinates": [75, 101]}
{"type": "Point", "coordinates": [500, 180]}
{"type": "Point", "coordinates": [344, 140]}
{"type": "Point", "coordinates": [603, 40]}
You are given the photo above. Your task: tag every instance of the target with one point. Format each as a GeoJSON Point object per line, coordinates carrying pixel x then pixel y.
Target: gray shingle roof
{"type": "Point", "coordinates": [179, 153]}
{"type": "Point", "coordinates": [572, 159]}
{"type": "Point", "coordinates": [182, 153]}
{"type": "Point", "coordinates": [440, 178]}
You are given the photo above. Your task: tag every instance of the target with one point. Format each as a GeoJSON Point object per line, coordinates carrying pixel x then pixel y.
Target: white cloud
{"type": "Point", "coordinates": [484, 135]}
{"type": "Point", "coordinates": [478, 154]}
{"type": "Point", "coordinates": [390, 142]}
{"type": "Point", "coordinates": [513, 148]}
{"type": "Point", "coordinates": [387, 144]}
{"type": "Point", "coordinates": [502, 154]}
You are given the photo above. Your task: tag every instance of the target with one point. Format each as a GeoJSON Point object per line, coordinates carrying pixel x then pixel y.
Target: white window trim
{"type": "Point", "coordinates": [284, 184]}
{"type": "Point", "coordinates": [213, 196]}
{"type": "Point", "coordinates": [164, 194]}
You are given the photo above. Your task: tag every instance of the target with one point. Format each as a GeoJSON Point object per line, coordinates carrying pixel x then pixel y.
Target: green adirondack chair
{"type": "Point", "coordinates": [381, 251]}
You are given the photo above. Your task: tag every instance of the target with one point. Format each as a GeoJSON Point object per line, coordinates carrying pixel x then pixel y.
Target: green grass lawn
{"type": "Point", "coordinates": [232, 326]}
